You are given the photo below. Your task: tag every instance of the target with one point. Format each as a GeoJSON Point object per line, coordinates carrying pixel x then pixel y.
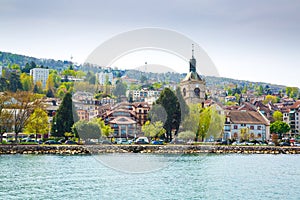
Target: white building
{"type": "Point", "coordinates": [246, 124]}
{"type": "Point", "coordinates": [1, 71]}
{"type": "Point", "coordinates": [143, 95]}
{"type": "Point", "coordinates": [103, 76]}
{"type": "Point", "coordinates": [40, 74]}
{"type": "Point", "coordinates": [293, 119]}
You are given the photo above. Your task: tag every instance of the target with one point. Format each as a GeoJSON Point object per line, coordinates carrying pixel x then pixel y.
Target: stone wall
{"type": "Point", "coordinates": [156, 149]}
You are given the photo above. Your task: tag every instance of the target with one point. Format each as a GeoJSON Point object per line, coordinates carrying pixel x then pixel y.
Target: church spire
{"type": "Point", "coordinates": [192, 61]}
{"type": "Point", "coordinates": [192, 50]}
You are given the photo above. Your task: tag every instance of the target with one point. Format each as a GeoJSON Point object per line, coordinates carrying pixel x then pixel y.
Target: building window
{"type": "Point", "coordinates": [235, 127]}
{"type": "Point", "coordinates": [197, 92]}
{"type": "Point", "coordinates": [227, 128]}
{"type": "Point", "coordinates": [184, 92]}
{"type": "Point", "coordinates": [251, 127]}
{"type": "Point", "coordinates": [235, 135]}
{"type": "Point", "coordinates": [258, 127]}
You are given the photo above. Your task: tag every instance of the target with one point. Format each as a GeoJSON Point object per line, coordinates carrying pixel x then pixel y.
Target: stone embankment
{"type": "Point", "coordinates": [43, 149]}
{"type": "Point", "coordinates": [155, 149]}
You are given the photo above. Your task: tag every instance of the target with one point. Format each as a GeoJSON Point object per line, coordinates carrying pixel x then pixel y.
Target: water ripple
{"type": "Point", "coordinates": [187, 177]}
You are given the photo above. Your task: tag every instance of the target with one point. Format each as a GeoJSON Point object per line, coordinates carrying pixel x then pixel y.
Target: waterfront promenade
{"type": "Point", "coordinates": [152, 149]}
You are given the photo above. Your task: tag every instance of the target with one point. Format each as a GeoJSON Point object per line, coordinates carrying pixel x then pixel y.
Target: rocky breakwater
{"type": "Point", "coordinates": [154, 149]}
{"type": "Point", "coordinates": [192, 149]}
{"type": "Point", "coordinates": [43, 149]}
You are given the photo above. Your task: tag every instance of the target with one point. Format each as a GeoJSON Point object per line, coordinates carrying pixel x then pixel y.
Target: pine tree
{"type": "Point", "coordinates": [184, 109]}
{"type": "Point", "coordinates": [63, 119]}
{"type": "Point", "coordinates": [169, 102]}
{"type": "Point", "coordinates": [14, 82]}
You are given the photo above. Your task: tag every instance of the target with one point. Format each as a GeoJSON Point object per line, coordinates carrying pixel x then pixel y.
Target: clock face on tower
{"type": "Point", "coordinates": [197, 92]}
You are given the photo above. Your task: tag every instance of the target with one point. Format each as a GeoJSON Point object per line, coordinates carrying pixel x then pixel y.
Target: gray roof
{"type": "Point", "coordinates": [193, 76]}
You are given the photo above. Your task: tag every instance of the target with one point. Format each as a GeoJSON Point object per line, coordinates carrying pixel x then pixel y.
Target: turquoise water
{"type": "Point", "coordinates": [187, 177]}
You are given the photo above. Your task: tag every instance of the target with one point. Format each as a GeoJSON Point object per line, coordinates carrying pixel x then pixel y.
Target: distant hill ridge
{"type": "Point", "coordinates": [10, 58]}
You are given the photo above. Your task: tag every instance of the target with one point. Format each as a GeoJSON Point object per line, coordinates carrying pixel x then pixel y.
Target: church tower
{"type": "Point", "coordinates": [193, 85]}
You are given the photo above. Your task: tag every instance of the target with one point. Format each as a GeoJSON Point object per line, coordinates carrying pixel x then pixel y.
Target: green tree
{"type": "Point", "coordinates": [245, 89]}
{"type": "Point", "coordinates": [63, 119]}
{"type": "Point", "coordinates": [157, 85]}
{"type": "Point", "coordinates": [50, 86]}
{"type": "Point", "coordinates": [85, 86]}
{"type": "Point", "coordinates": [270, 98]}
{"type": "Point", "coordinates": [37, 123]}
{"type": "Point", "coordinates": [277, 115]}
{"type": "Point", "coordinates": [259, 90]}
{"type": "Point", "coordinates": [15, 67]}
{"type": "Point", "coordinates": [27, 82]}
{"type": "Point", "coordinates": [237, 97]}
{"type": "Point", "coordinates": [106, 130]}
{"type": "Point", "coordinates": [90, 77]}
{"type": "Point", "coordinates": [217, 121]}
{"type": "Point", "coordinates": [23, 103]}
{"type": "Point", "coordinates": [6, 116]}
{"type": "Point", "coordinates": [64, 88]}
{"type": "Point", "coordinates": [205, 122]}
{"type": "Point", "coordinates": [187, 135]}
{"type": "Point", "coordinates": [120, 89]}
{"type": "Point", "coordinates": [28, 67]}
{"type": "Point", "coordinates": [184, 109]}
{"type": "Point", "coordinates": [244, 134]}
{"type": "Point", "coordinates": [292, 92]}
{"type": "Point", "coordinates": [87, 130]}
{"type": "Point", "coordinates": [80, 74]}
{"type": "Point", "coordinates": [38, 87]}
{"type": "Point", "coordinates": [69, 134]}
{"type": "Point", "coordinates": [191, 122]}
{"type": "Point", "coordinates": [49, 93]}
{"type": "Point", "coordinates": [69, 72]}
{"type": "Point", "coordinates": [153, 130]}
{"type": "Point", "coordinates": [135, 87]}
{"type": "Point", "coordinates": [55, 78]}
{"type": "Point", "coordinates": [279, 128]}
{"type": "Point", "coordinates": [14, 82]}
{"type": "Point", "coordinates": [169, 102]}
{"type": "Point", "coordinates": [229, 92]}
{"type": "Point", "coordinates": [157, 113]}
{"type": "Point", "coordinates": [3, 84]}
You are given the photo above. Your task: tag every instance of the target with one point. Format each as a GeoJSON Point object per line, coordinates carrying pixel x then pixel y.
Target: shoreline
{"type": "Point", "coordinates": [151, 149]}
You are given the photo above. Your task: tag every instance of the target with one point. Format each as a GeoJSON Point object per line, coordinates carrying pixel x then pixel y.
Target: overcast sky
{"type": "Point", "coordinates": [251, 40]}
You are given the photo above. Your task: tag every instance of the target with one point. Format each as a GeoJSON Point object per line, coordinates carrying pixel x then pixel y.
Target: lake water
{"type": "Point", "coordinates": [186, 177]}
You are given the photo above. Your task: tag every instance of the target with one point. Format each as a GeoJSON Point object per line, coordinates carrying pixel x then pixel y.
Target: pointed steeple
{"type": "Point", "coordinates": [192, 61]}
{"type": "Point", "coordinates": [192, 50]}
